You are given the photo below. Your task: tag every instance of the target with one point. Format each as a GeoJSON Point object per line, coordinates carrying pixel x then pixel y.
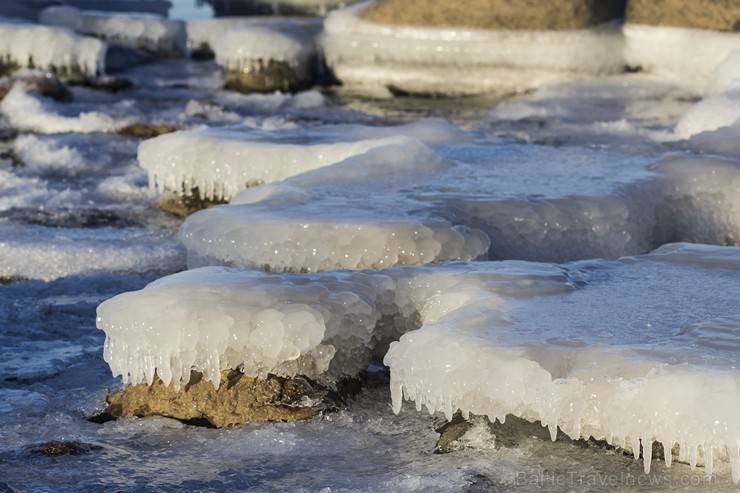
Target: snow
{"type": "Point", "coordinates": [221, 162]}
{"type": "Point", "coordinates": [51, 48]}
{"type": "Point", "coordinates": [493, 339]}
{"type": "Point", "coordinates": [143, 31]}
{"type": "Point", "coordinates": [420, 59]}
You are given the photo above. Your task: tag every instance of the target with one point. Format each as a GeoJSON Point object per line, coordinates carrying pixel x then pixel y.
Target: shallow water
{"type": "Point", "coordinates": [78, 225]}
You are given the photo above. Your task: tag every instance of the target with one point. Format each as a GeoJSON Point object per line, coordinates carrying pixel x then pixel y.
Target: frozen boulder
{"type": "Point", "coordinates": [280, 57]}
{"type": "Point", "coordinates": [715, 15]}
{"type": "Point", "coordinates": [429, 60]}
{"type": "Point", "coordinates": [497, 14]}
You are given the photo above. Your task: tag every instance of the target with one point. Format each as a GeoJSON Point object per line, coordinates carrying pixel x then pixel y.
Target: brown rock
{"type": "Point", "coordinates": [146, 130]}
{"type": "Point", "coordinates": [45, 84]}
{"type": "Point", "coordinates": [239, 399]}
{"type": "Point", "coordinates": [184, 205]}
{"type": "Point", "coordinates": [717, 15]}
{"type": "Point", "coordinates": [497, 14]}
{"type": "Point", "coordinates": [269, 76]}
{"type": "Point", "coordinates": [64, 448]}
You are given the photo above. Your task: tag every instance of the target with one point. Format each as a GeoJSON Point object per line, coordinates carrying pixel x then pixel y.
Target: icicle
{"type": "Point", "coordinates": [553, 431]}
{"type": "Point", "coordinates": [683, 452]}
{"type": "Point", "coordinates": [708, 459]}
{"type": "Point", "coordinates": [396, 398]}
{"type": "Point", "coordinates": [465, 414]}
{"type": "Point", "coordinates": [668, 453]}
{"type": "Point", "coordinates": [647, 455]}
{"type": "Point", "coordinates": [734, 455]}
{"type": "Point", "coordinates": [692, 456]}
{"type": "Point", "coordinates": [635, 447]}
{"type": "Point", "coordinates": [447, 408]}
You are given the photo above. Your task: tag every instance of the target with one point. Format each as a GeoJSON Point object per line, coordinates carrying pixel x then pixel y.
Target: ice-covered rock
{"type": "Point", "coordinates": [431, 60]}
{"type": "Point", "coordinates": [420, 208]}
{"type": "Point", "coordinates": [222, 162]}
{"type": "Point", "coordinates": [259, 58]}
{"type": "Point", "coordinates": [275, 7]}
{"type": "Point", "coordinates": [494, 339]}
{"type": "Point", "coordinates": [683, 54]}
{"type": "Point", "coordinates": [148, 32]}
{"type": "Point", "coordinates": [68, 55]}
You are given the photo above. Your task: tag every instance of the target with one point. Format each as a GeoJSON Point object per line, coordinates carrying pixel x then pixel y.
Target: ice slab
{"type": "Point", "coordinates": [50, 48]}
{"type": "Point", "coordinates": [493, 338]}
{"type": "Point", "coordinates": [144, 31]}
{"type": "Point", "coordinates": [430, 60]}
{"type": "Point", "coordinates": [222, 162]}
{"type": "Point", "coordinates": [402, 203]}
{"type": "Point", "coordinates": [204, 32]}
{"type": "Point", "coordinates": [685, 54]}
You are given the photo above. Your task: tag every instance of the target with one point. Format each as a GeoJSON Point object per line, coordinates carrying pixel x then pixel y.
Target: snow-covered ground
{"type": "Point", "coordinates": [565, 261]}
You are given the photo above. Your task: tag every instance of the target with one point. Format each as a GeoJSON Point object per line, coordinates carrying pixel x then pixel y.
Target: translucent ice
{"type": "Point", "coordinates": [422, 59]}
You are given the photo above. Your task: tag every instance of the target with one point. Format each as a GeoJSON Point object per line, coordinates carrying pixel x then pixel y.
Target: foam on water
{"type": "Point", "coordinates": [148, 32]}
{"type": "Point", "coordinates": [27, 112]}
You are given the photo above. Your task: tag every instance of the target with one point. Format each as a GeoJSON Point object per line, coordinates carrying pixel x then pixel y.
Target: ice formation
{"type": "Point", "coordinates": [221, 162]}
{"type": "Point", "coordinates": [280, 42]}
{"type": "Point", "coordinates": [50, 48]}
{"type": "Point", "coordinates": [148, 32]}
{"type": "Point", "coordinates": [423, 60]}
{"type": "Point", "coordinates": [478, 202]}
{"type": "Point", "coordinates": [27, 112]}
{"type": "Point", "coordinates": [203, 33]}
{"type": "Point", "coordinates": [686, 54]}
{"type": "Point", "coordinates": [493, 338]}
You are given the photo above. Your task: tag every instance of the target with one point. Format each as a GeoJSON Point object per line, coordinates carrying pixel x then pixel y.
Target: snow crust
{"type": "Point", "coordinates": [51, 48]}
{"type": "Point", "coordinates": [493, 338]}
{"type": "Point", "coordinates": [143, 31]}
{"type": "Point", "coordinates": [419, 59]}
{"type": "Point", "coordinates": [204, 32]}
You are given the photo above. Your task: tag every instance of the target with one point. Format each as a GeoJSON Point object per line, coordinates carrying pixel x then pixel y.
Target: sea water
{"type": "Point", "coordinates": [509, 240]}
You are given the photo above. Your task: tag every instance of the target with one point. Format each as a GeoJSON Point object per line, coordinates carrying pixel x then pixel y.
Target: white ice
{"type": "Point", "coordinates": [47, 48]}
{"type": "Point", "coordinates": [222, 162]}
{"type": "Point", "coordinates": [493, 339]}
{"type": "Point", "coordinates": [422, 59]}
{"type": "Point", "coordinates": [204, 32]}
{"type": "Point", "coordinates": [144, 31]}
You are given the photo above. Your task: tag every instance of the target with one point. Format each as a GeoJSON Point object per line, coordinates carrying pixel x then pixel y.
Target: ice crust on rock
{"type": "Point", "coordinates": [429, 60]}
{"type": "Point", "coordinates": [148, 32]}
{"type": "Point", "coordinates": [493, 338]}
{"type": "Point", "coordinates": [50, 48]}
{"type": "Point", "coordinates": [222, 162]}
{"type": "Point", "coordinates": [204, 32]}
{"type": "Point", "coordinates": [685, 54]}
{"type": "Point", "coordinates": [284, 42]}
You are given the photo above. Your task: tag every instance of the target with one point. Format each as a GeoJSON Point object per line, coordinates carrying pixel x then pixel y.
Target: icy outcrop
{"type": "Point", "coordinates": [49, 48]}
{"type": "Point", "coordinates": [147, 32]}
{"type": "Point", "coordinates": [222, 162]}
{"type": "Point", "coordinates": [685, 54]}
{"type": "Point", "coordinates": [203, 33]}
{"type": "Point", "coordinates": [429, 60]}
{"type": "Point", "coordinates": [493, 338]}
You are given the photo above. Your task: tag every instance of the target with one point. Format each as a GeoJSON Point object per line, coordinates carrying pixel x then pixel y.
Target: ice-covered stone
{"type": "Point", "coordinates": [222, 162]}
{"type": "Point", "coordinates": [68, 55]}
{"type": "Point", "coordinates": [493, 338]}
{"type": "Point", "coordinates": [276, 57]}
{"type": "Point", "coordinates": [430, 60]}
{"type": "Point", "coordinates": [148, 32]}
{"type": "Point", "coordinates": [275, 7]}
